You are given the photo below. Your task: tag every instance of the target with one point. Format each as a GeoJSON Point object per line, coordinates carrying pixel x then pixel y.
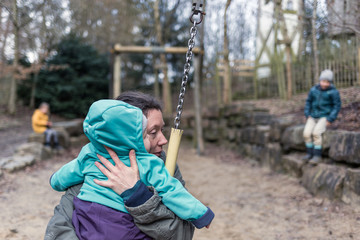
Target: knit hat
{"type": "Point", "coordinates": [326, 75]}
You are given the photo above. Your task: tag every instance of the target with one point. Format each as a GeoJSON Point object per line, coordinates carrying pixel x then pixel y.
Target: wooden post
{"type": "Point", "coordinates": [117, 76]}
{"type": "Point", "coordinates": [314, 40]}
{"type": "Point", "coordinates": [288, 71]}
{"type": "Point", "coordinates": [227, 73]}
{"type": "Point", "coordinates": [358, 75]}
{"type": "Point", "coordinates": [198, 112]}
{"type": "Point", "coordinates": [218, 83]}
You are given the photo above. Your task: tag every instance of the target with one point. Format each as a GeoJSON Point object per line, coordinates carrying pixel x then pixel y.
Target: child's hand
{"type": "Point", "coordinates": [328, 123]}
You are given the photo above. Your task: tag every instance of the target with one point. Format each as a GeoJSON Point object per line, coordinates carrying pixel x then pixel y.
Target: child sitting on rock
{"type": "Point", "coordinates": [322, 107]}
{"type": "Point", "coordinates": [41, 124]}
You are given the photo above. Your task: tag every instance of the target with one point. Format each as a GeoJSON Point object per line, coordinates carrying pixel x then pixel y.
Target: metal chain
{"type": "Point", "coordinates": [185, 78]}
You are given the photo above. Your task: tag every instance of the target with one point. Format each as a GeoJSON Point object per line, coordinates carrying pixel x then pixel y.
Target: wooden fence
{"type": "Point", "coordinates": [346, 73]}
{"type": "Point", "coordinates": [346, 69]}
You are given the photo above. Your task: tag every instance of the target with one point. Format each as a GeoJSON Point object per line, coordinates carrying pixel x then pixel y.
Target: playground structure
{"type": "Point", "coordinates": [176, 133]}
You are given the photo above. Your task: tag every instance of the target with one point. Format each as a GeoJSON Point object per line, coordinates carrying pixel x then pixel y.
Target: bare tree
{"type": "Point", "coordinates": [13, 87]}
{"type": "Point", "coordinates": [314, 40]}
{"type": "Point", "coordinates": [227, 96]}
{"type": "Point", "coordinates": [343, 17]}
{"type": "Point", "coordinates": [20, 19]}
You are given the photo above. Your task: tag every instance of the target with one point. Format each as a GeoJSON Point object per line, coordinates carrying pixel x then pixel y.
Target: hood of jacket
{"type": "Point", "coordinates": [115, 124]}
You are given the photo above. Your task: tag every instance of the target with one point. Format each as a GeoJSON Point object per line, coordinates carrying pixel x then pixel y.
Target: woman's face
{"type": "Point", "coordinates": [154, 138]}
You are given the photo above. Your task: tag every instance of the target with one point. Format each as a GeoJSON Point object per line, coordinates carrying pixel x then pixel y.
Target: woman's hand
{"type": "Point", "coordinates": [120, 177]}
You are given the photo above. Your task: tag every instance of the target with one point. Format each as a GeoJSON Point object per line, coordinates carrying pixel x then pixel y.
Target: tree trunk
{"type": "Point", "coordinates": [217, 83]}
{"type": "Point", "coordinates": [358, 83]}
{"type": "Point", "coordinates": [166, 85]}
{"type": "Point", "coordinates": [5, 36]}
{"type": "Point", "coordinates": [288, 71]}
{"type": "Point", "coordinates": [202, 47]}
{"type": "Point", "coordinates": [117, 75]}
{"type": "Point", "coordinates": [301, 46]}
{"type": "Point", "coordinates": [156, 81]}
{"type": "Point", "coordinates": [198, 112]}
{"type": "Point", "coordinates": [13, 87]}
{"type": "Point", "coordinates": [33, 90]}
{"type": "Point", "coordinates": [201, 66]}
{"type": "Point", "coordinates": [314, 41]}
{"type": "Point", "coordinates": [278, 64]}
{"type": "Point", "coordinates": [227, 77]}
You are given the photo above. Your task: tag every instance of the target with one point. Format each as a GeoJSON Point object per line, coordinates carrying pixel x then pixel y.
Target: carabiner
{"type": "Point", "coordinates": [197, 9]}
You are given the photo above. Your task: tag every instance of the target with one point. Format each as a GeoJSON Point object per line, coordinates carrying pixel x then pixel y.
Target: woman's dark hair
{"type": "Point", "coordinates": [141, 100]}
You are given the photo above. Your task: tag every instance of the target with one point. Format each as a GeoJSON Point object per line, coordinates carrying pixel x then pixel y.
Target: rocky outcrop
{"type": "Point", "coordinates": [278, 143]}
{"type": "Point", "coordinates": [70, 134]}
{"type": "Point", "coordinates": [345, 147]}
{"type": "Point", "coordinates": [324, 180]}
{"type": "Point", "coordinates": [292, 138]}
{"type": "Point", "coordinates": [25, 155]}
{"type": "Point", "coordinates": [351, 192]}
{"type": "Point", "coordinates": [293, 164]}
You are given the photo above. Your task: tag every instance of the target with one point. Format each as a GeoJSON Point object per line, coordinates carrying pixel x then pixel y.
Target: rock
{"type": "Point", "coordinates": [36, 137]}
{"type": "Point", "coordinates": [73, 127]}
{"type": "Point", "coordinates": [255, 135]}
{"type": "Point", "coordinates": [245, 149]}
{"type": "Point", "coordinates": [212, 113]}
{"type": "Point", "coordinates": [236, 108]}
{"type": "Point", "coordinates": [250, 150]}
{"type": "Point", "coordinates": [38, 150]}
{"type": "Point", "coordinates": [248, 135]}
{"type": "Point", "coordinates": [19, 162]}
{"type": "Point", "coordinates": [242, 119]}
{"type": "Point", "coordinates": [351, 193]}
{"type": "Point", "coordinates": [345, 147]}
{"type": "Point", "coordinates": [211, 132]}
{"type": "Point", "coordinates": [231, 134]}
{"type": "Point", "coordinates": [324, 180]}
{"type": "Point", "coordinates": [257, 152]}
{"type": "Point", "coordinates": [63, 136]}
{"type": "Point", "coordinates": [292, 138]}
{"type": "Point", "coordinates": [278, 126]}
{"type": "Point", "coordinates": [293, 164]}
{"type": "Point", "coordinates": [328, 138]}
{"type": "Point", "coordinates": [261, 118]}
{"type": "Point", "coordinates": [272, 156]}
{"type": "Point", "coordinates": [262, 135]}
{"type": "Point", "coordinates": [4, 161]}
{"type": "Point", "coordinates": [188, 133]}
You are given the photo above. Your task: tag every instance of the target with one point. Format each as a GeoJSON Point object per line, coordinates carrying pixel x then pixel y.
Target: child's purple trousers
{"type": "Point", "coordinates": [96, 221]}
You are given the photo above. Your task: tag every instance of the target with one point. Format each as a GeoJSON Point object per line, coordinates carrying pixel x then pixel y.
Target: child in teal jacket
{"type": "Point", "coordinates": [119, 126]}
{"type": "Point", "coordinates": [321, 109]}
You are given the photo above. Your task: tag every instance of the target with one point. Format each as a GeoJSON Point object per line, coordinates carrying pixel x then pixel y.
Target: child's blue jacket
{"type": "Point", "coordinates": [118, 125]}
{"type": "Point", "coordinates": [323, 103]}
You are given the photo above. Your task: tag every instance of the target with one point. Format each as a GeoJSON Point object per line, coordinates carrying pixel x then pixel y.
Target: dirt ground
{"type": "Point", "coordinates": [250, 202]}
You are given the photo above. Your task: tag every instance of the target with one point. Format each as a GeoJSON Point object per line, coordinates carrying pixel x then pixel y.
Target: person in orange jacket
{"type": "Point", "coordinates": [41, 124]}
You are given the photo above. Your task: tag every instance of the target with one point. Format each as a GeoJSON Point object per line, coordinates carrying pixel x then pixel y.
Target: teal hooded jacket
{"type": "Point", "coordinates": [118, 125]}
{"type": "Point", "coordinates": [323, 103]}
